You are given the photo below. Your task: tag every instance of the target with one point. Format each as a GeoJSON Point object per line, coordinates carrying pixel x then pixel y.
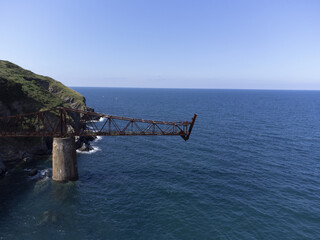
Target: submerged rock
{"type": "Point", "coordinates": [33, 172]}
{"type": "Point", "coordinates": [2, 168]}
{"type": "Point", "coordinates": [27, 159]}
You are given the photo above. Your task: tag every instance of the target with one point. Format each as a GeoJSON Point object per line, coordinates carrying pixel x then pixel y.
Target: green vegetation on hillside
{"type": "Point", "coordinates": [18, 84]}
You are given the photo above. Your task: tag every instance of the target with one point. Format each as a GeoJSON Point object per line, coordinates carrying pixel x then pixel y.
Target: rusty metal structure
{"type": "Point", "coordinates": [68, 122]}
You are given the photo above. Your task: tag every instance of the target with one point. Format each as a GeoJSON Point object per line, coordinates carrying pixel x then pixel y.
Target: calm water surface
{"type": "Point", "coordinates": [251, 170]}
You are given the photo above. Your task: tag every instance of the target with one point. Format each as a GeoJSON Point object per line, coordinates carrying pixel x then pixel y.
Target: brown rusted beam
{"type": "Point", "coordinates": [39, 125]}
{"type": "Point", "coordinates": [190, 128]}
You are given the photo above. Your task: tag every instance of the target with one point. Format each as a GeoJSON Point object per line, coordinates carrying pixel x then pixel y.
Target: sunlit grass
{"type": "Point", "coordinates": [39, 92]}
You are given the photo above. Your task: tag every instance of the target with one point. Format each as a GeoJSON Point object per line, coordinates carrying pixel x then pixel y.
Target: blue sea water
{"type": "Point", "coordinates": [251, 170]}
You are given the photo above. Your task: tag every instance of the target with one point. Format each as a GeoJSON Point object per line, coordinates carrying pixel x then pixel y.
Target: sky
{"type": "Point", "coordinates": [229, 44]}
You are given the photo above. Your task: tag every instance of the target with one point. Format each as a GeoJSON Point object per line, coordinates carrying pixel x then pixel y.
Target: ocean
{"type": "Point", "coordinates": [250, 170]}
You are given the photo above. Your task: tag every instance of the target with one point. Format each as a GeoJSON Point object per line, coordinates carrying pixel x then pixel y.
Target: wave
{"type": "Point", "coordinates": [44, 173]}
{"type": "Point", "coordinates": [97, 139]}
{"type": "Point", "coordinates": [95, 149]}
{"type": "Point", "coordinates": [41, 174]}
{"type": "Point", "coordinates": [100, 120]}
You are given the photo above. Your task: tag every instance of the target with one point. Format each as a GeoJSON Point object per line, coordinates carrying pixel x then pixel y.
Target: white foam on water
{"type": "Point", "coordinates": [98, 139]}
{"type": "Point", "coordinates": [100, 120]}
{"type": "Point", "coordinates": [44, 173]}
{"type": "Point", "coordinates": [43, 180]}
{"type": "Point", "coordinates": [95, 149]}
{"type": "Point", "coordinates": [41, 174]}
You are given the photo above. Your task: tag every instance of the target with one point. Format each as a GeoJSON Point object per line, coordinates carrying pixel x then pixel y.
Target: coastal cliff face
{"type": "Point", "coordinates": [22, 91]}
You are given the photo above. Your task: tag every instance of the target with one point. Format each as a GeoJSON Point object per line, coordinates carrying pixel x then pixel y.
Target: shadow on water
{"type": "Point", "coordinates": [16, 184]}
{"type": "Point", "coordinates": [36, 196]}
{"type": "Point", "coordinates": [38, 205]}
{"type": "Point", "coordinates": [60, 197]}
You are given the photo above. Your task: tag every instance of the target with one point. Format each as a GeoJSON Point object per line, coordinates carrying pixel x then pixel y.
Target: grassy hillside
{"type": "Point", "coordinates": [18, 84]}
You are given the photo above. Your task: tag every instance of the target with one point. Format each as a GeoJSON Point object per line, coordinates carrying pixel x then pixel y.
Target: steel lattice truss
{"type": "Point", "coordinates": [68, 122]}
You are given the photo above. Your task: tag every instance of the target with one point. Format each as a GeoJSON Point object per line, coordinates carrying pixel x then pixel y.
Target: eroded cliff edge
{"type": "Point", "coordinates": [22, 91]}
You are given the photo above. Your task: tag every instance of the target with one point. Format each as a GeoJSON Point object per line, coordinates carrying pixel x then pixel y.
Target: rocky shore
{"type": "Point", "coordinates": [22, 91]}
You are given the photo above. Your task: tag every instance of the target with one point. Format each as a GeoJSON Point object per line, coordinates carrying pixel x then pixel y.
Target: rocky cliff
{"type": "Point", "coordinates": [22, 91]}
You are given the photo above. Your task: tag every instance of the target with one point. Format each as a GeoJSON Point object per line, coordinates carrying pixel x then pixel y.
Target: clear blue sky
{"type": "Point", "coordinates": [166, 43]}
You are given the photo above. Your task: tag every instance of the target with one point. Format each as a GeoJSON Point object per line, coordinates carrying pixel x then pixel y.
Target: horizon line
{"type": "Point", "coordinates": [253, 89]}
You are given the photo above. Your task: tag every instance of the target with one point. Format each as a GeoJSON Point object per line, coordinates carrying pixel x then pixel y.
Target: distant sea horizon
{"type": "Point", "coordinates": [248, 89]}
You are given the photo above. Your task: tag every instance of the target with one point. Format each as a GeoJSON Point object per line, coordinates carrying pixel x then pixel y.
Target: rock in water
{"type": "Point", "coordinates": [27, 159]}
{"type": "Point", "coordinates": [2, 168]}
{"type": "Point", "coordinates": [85, 147]}
{"type": "Point", "coordinates": [33, 172]}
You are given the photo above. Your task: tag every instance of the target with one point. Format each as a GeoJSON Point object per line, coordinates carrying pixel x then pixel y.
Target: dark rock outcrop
{"type": "Point", "coordinates": [85, 147]}
{"type": "Point", "coordinates": [33, 172]}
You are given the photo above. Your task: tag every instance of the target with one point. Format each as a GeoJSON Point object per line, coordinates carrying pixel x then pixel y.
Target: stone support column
{"type": "Point", "coordinates": [64, 160]}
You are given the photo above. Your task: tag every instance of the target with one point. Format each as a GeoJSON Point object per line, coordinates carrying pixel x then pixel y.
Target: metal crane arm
{"type": "Point", "coordinates": [69, 122]}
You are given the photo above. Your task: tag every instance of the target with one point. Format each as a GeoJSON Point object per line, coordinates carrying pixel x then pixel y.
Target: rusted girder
{"type": "Point", "coordinates": [68, 122]}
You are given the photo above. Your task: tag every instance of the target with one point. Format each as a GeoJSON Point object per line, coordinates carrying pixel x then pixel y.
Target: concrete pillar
{"type": "Point", "coordinates": [64, 160]}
